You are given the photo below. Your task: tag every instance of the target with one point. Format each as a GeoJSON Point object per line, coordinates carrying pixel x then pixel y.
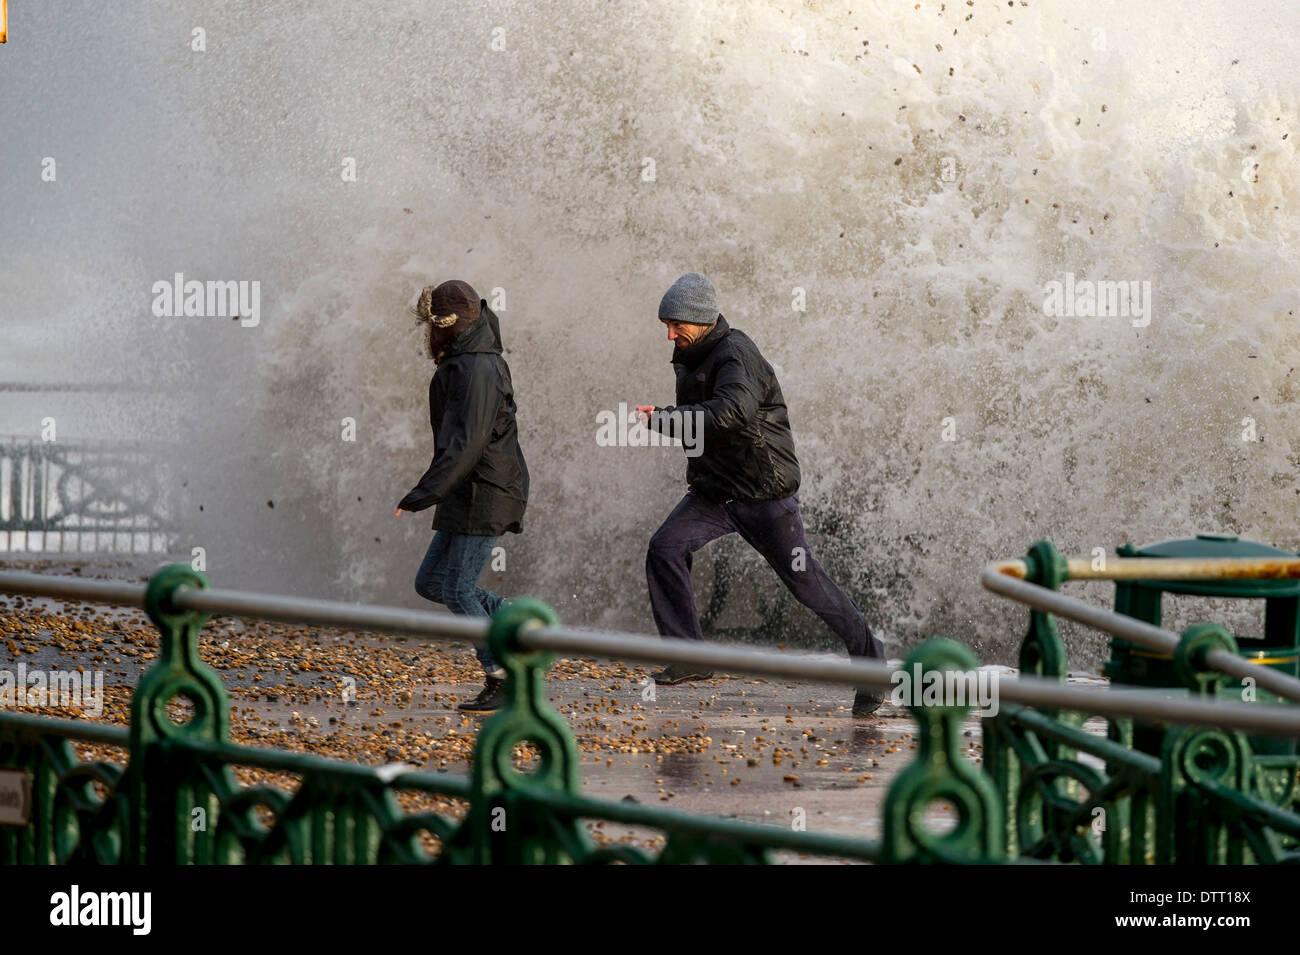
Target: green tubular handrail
{"type": "Point", "coordinates": [1029, 790]}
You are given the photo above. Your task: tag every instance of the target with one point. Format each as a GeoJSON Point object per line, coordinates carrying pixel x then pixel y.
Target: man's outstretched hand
{"type": "Point", "coordinates": [643, 413]}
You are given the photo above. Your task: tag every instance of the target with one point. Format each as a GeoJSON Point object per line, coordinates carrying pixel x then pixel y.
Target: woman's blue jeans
{"type": "Point", "coordinates": [449, 575]}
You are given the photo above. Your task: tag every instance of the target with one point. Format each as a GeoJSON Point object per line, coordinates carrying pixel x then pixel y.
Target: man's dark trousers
{"type": "Point", "coordinates": [775, 530]}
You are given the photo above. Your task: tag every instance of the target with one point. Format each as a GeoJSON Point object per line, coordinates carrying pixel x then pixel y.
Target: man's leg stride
{"type": "Point", "coordinates": [775, 529]}
{"type": "Point", "coordinates": [692, 524]}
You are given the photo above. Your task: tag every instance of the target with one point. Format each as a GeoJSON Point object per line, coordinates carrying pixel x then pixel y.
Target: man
{"type": "Point", "coordinates": [478, 478]}
{"type": "Point", "coordinates": [744, 480]}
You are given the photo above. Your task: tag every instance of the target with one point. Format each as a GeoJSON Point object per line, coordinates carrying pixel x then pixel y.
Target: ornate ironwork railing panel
{"type": "Point", "coordinates": [1202, 795]}
{"type": "Point", "coordinates": [177, 796]}
{"type": "Point", "coordinates": [176, 775]}
{"type": "Point", "coordinates": [79, 497]}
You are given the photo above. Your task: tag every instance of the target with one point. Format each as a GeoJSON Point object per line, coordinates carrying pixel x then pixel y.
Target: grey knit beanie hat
{"type": "Point", "coordinates": [690, 300]}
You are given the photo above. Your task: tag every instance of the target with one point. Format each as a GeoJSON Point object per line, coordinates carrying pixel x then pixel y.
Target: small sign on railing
{"type": "Point", "coordinates": [15, 797]}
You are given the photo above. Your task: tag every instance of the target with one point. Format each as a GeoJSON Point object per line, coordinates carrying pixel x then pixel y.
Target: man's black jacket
{"type": "Point", "coordinates": [748, 449]}
{"type": "Point", "coordinates": [478, 478]}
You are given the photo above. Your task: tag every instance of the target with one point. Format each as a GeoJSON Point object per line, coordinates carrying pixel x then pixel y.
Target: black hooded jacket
{"type": "Point", "coordinates": [748, 448]}
{"type": "Point", "coordinates": [478, 478]}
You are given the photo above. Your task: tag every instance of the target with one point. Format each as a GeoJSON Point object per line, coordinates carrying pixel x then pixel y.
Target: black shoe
{"type": "Point", "coordinates": [489, 700]}
{"type": "Point", "coordinates": [866, 702]}
{"type": "Point", "coordinates": [672, 674]}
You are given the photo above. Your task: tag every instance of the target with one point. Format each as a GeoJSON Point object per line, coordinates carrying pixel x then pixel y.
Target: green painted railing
{"type": "Point", "coordinates": [1199, 795]}
{"type": "Point", "coordinates": [177, 775]}
{"type": "Point", "coordinates": [177, 799]}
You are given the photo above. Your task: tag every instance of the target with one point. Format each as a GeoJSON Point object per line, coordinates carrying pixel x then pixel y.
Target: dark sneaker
{"type": "Point", "coordinates": [866, 702]}
{"type": "Point", "coordinates": [673, 674]}
{"type": "Point", "coordinates": [489, 700]}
